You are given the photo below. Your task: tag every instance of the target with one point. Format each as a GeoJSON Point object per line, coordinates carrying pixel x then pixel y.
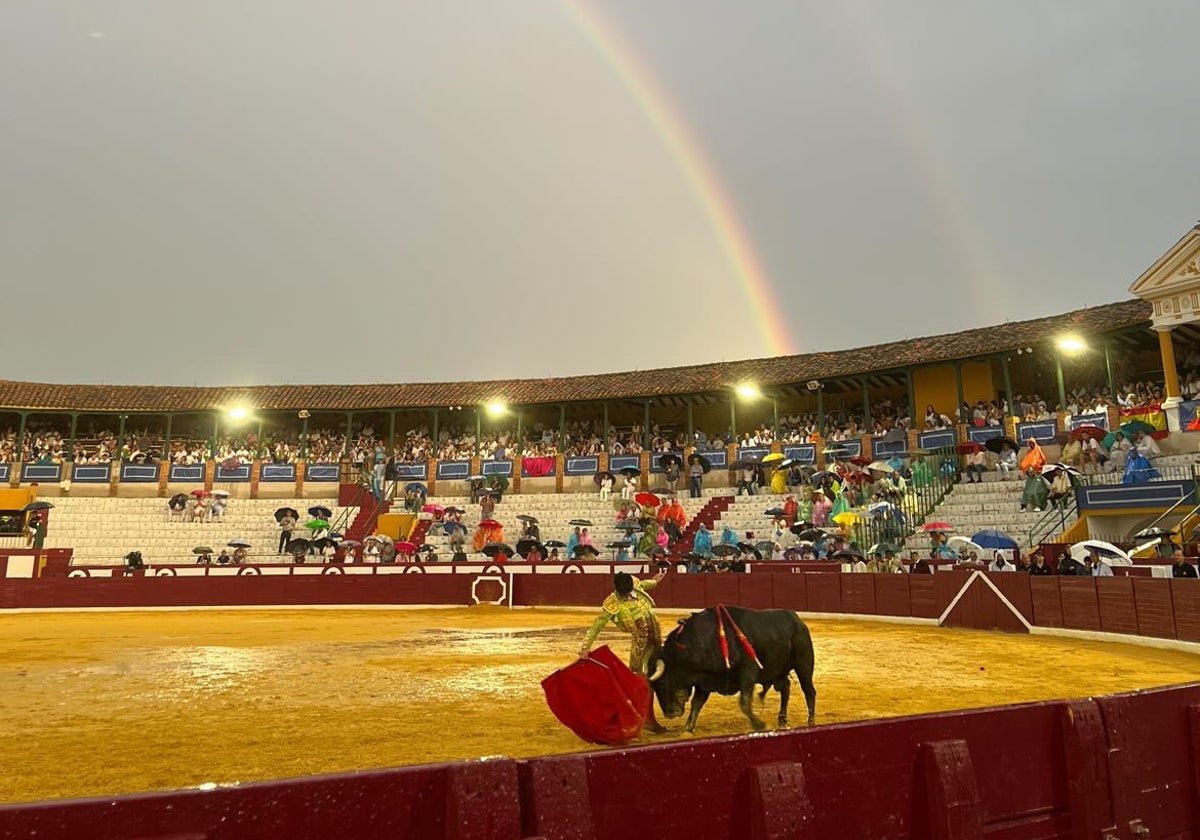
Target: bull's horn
{"type": "Point", "coordinates": [659, 669]}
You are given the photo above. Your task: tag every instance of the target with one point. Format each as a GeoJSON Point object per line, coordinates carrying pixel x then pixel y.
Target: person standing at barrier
{"type": "Point", "coordinates": [631, 609]}
{"type": "Point", "coordinates": [1180, 567]}
{"type": "Point", "coordinates": [695, 477]}
{"type": "Point", "coordinates": [286, 524]}
{"type": "Point", "coordinates": [37, 531]}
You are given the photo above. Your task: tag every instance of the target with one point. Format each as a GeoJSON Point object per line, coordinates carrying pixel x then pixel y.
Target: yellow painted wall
{"type": "Point", "coordinates": [17, 499]}
{"type": "Point", "coordinates": [936, 386]}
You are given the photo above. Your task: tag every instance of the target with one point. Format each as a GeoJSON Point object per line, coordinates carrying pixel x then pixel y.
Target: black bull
{"type": "Point", "coordinates": [691, 659]}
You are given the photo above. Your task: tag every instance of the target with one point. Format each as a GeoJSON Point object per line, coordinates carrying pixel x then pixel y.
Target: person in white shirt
{"type": "Point", "coordinates": [1000, 564]}
{"type": "Point", "coordinates": [1007, 462]}
{"type": "Point", "coordinates": [1147, 446]}
{"type": "Point", "coordinates": [606, 484]}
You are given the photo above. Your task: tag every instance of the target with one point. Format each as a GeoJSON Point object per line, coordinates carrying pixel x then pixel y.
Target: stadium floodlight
{"type": "Point", "coordinates": [1070, 343]}
{"type": "Point", "coordinates": [749, 391]}
{"type": "Point", "coordinates": [495, 408]}
{"type": "Point", "coordinates": [238, 413]}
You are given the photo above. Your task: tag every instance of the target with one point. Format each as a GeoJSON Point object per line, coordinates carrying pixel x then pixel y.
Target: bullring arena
{"type": "Point", "coordinates": [287, 694]}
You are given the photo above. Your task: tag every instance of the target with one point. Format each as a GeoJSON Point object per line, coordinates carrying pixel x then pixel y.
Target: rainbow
{"type": "Point", "coordinates": [686, 151]}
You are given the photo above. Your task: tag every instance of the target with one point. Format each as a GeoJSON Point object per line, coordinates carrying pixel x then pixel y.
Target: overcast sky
{"type": "Point", "coordinates": [273, 191]}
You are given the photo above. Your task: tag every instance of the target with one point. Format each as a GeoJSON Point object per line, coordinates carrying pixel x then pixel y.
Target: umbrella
{"type": "Point", "coordinates": [202, 549]}
{"type": "Point", "coordinates": [895, 436]}
{"type": "Point", "coordinates": [527, 545]}
{"type": "Point", "coordinates": [628, 526]}
{"type": "Point", "coordinates": [436, 510]}
{"type": "Point", "coordinates": [489, 523]}
{"type": "Point", "coordinates": [415, 487]}
{"type": "Point", "coordinates": [475, 478]}
{"type": "Point", "coordinates": [351, 543]}
{"type": "Point", "coordinates": [881, 466]}
{"type": "Point", "coordinates": [846, 554]}
{"type": "Point", "coordinates": [647, 500]}
{"type": "Point", "coordinates": [937, 527]}
{"type": "Point", "coordinates": [585, 523]}
{"type": "Point", "coordinates": [619, 544]}
{"type": "Point", "coordinates": [453, 509]}
{"type": "Point", "coordinates": [824, 475]}
{"type": "Point", "coordinates": [316, 524]}
{"type": "Point", "coordinates": [880, 507]}
{"type": "Point", "coordinates": [993, 540]}
{"type": "Point", "coordinates": [324, 543]}
{"type": "Point", "coordinates": [286, 511]}
{"type": "Point", "coordinates": [1153, 533]}
{"type": "Point", "coordinates": [1088, 432]}
{"type": "Point", "coordinates": [32, 506]}
{"type": "Point", "coordinates": [178, 500]}
{"type": "Point", "coordinates": [775, 512]}
{"type": "Point", "coordinates": [599, 699]}
{"type": "Point", "coordinates": [747, 548]}
{"type": "Point", "coordinates": [704, 463]}
{"type": "Point", "coordinates": [554, 544]}
{"type": "Point", "coordinates": [999, 444]}
{"type": "Point", "coordinates": [848, 518]}
{"type": "Point", "coordinates": [725, 550]}
{"type": "Point", "coordinates": [498, 482]}
{"type": "Point", "coordinates": [747, 462]}
{"type": "Point", "coordinates": [405, 547]}
{"type": "Point", "coordinates": [201, 494]}
{"type": "Point", "coordinates": [632, 472]}
{"type": "Point", "coordinates": [320, 512]}
{"type": "Point", "coordinates": [1050, 469]}
{"type": "Point", "coordinates": [963, 545]}
{"type": "Point", "coordinates": [883, 548]}
{"type": "Point", "coordinates": [380, 538]}
{"type": "Point", "coordinates": [786, 464]}
{"type": "Point", "coordinates": [669, 458]}
{"type": "Point", "coordinates": [662, 491]}
{"type": "Point", "coordinates": [836, 451]}
{"type": "Point", "coordinates": [449, 528]}
{"type": "Point", "coordinates": [809, 534]}
{"type": "Point", "coordinates": [1106, 550]}
{"type": "Point", "coordinates": [772, 458]}
{"type": "Point", "coordinates": [582, 551]}
{"type": "Point", "coordinates": [599, 477]}
{"type": "Point", "coordinates": [1134, 426]}
{"type": "Point", "coordinates": [525, 517]}
{"type": "Point", "coordinates": [238, 542]}
{"type": "Point", "coordinates": [298, 546]}
{"type": "Point", "coordinates": [424, 549]}
{"type": "Point", "coordinates": [766, 547]}
{"type": "Point", "coordinates": [860, 460]}
{"type": "Point", "coordinates": [969, 447]}
{"type": "Point", "coordinates": [220, 492]}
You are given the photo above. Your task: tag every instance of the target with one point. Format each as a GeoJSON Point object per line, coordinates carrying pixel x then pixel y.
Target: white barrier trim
{"type": "Point", "coordinates": [970, 580]}
{"type": "Point", "coordinates": [1117, 638]}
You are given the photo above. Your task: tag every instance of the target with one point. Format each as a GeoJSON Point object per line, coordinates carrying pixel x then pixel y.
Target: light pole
{"type": "Point", "coordinates": [1069, 344]}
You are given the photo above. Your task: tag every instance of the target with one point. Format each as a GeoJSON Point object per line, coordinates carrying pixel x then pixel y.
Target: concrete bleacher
{"type": "Point", "coordinates": [103, 530]}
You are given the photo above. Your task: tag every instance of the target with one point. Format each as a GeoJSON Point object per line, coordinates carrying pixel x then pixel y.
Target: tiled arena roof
{"type": "Point", "coordinates": [693, 379]}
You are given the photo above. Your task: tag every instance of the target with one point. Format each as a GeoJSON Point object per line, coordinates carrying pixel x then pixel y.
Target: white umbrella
{"type": "Point", "coordinates": [220, 492]}
{"type": "Point", "coordinates": [1107, 552]}
{"type": "Point", "coordinates": [963, 546]}
{"type": "Point", "coordinates": [881, 466]}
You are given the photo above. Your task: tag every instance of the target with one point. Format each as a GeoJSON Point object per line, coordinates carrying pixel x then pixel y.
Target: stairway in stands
{"type": "Point", "coordinates": [707, 515]}
{"type": "Point", "coordinates": [417, 537]}
{"type": "Point", "coordinates": [368, 514]}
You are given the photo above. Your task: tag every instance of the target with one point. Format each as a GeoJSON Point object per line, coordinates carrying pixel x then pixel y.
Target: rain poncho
{"type": "Point", "coordinates": [729, 536]}
{"type": "Point", "coordinates": [779, 482]}
{"type": "Point", "coordinates": [804, 510]}
{"type": "Point", "coordinates": [922, 475]}
{"type": "Point", "coordinates": [1035, 493]}
{"type": "Point", "coordinates": [572, 542]}
{"type": "Point", "coordinates": [1138, 469]}
{"type": "Point", "coordinates": [1035, 459]}
{"type": "Point", "coordinates": [649, 540]}
{"type": "Point", "coordinates": [702, 543]}
{"type": "Point", "coordinates": [1072, 453]}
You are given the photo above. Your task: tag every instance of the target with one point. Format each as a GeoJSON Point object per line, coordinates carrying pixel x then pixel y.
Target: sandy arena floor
{"type": "Point", "coordinates": [104, 703]}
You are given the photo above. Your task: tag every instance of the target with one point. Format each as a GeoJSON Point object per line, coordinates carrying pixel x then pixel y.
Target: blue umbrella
{"type": "Point", "coordinates": [994, 540]}
{"type": "Point", "coordinates": [414, 487]}
{"type": "Point", "coordinates": [1138, 469]}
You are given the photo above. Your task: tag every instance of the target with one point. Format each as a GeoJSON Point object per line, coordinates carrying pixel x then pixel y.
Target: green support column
{"type": "Point", "coordinates": [821, 411]}
{"type": "Point", "coordinates": [1058, 377]}
{"type": "Point", "coordinates": [346, 438]}
{"type": "Point", "coordinates": [866, 395]}
{"type": "Point", "coordinates": [775, 415]}
{"type": "Point", "coordinates": [120, 439]}
{"type": "Point", "coordinates": [391, 444]}
{"type": "Point", "coordinates": [646, 425]}
{"type": "Point", "coordinates": [959, 386]}
{"type": "Point", "coordinates": [604, 436]}
{"type": "Point", "coordinates": [1012, 403]}
{"type": "Point", "coordinates": [212, 447]}
{"type": "Point", "coordinates": [733, 417]}
{"type": "Point", "coordinates": [436, 432]}
{"type": "Point", "coordinates": [71, 442]}
{"type": "Point", "coordinates": [21, 436]}
{"type": "Point", "coordinates": [691, 424]}
{"type": "Point", "coordinates": [304, 439]}
{"type": "Point", "coordinates": [478, 430]}
{"type": "Point", "coordinates": [520, 444]}
{"type": "Point", "coordinates": [562, 428]}
{"type": "Point", "coordinates": [166, 453]}
{"type": "Point", "coordinates": [1112, 383]}
{"type": "Point", "coordinates": [258, 446]}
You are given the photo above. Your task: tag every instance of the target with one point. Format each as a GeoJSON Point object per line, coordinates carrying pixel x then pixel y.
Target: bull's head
{"type": "Point", "coordinates": [671, 686]}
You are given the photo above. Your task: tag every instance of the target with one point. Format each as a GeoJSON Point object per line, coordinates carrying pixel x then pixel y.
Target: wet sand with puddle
{"type": "Point", "coordinates": [120, 702]}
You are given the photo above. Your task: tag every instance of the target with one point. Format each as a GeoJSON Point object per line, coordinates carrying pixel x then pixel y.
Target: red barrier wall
{"type": "Point", "coordinates": [1113, 766]}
